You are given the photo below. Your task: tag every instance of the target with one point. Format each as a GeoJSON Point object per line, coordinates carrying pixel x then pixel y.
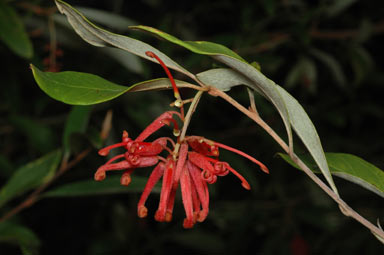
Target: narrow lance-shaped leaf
{"type": "Point", "coordinates": [100, 37]}
{"type": "Point", "coordinates": [78, 88]}
{"type": "Point", "coordinates": [200, 47]}
{"type": "Point", "coordinates": [30, 176]}
{"type": "Point", "coordinates": [305, 129]}
{"type": "Point", "coordinates": [351, 168]}
{"type": "Point", "coordinates": [12, 32]}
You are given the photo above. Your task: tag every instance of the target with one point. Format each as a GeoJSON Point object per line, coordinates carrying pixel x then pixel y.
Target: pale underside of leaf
{"type": "Point", "coordinates": [224, 79]}
{"type": "Point", "coordinates": [305, 129]}
{"type": "Point", "coordinates": [100, 37]}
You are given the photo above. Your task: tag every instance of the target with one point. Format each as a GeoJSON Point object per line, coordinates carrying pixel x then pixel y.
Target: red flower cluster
{"type": "Point", "coordinates": [191, 162]}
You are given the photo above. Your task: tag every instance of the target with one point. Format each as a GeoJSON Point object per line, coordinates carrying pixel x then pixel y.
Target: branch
{"type": "Point", "coordinates": [344, 207]}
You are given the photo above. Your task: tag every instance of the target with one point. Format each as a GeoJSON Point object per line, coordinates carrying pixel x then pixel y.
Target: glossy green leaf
{"type": "Point", "coordinates": [76, 123]}
{"type": "Point", "coordinates": [77, 88]}
{"type": "Point", "coordinates": [351, 168]}
{"type": "Point", "coordinates": [111, 185]}
{"type": "Point", "coordinates": [12, 32]}
{"type": "Point", "coordinates": [200, 47]}
{"type": "Point", "coordinates": [101, 38]}
{"type": "Point", "coordinates": [18, 234]}
{"type": "Point", "coordinates": [30, 176]}
{"type": "Point", "coordinates": [86, 89]}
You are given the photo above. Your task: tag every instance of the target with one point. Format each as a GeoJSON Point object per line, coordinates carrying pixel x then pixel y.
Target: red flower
{"type": "Point", "coordinates": [193, 169]}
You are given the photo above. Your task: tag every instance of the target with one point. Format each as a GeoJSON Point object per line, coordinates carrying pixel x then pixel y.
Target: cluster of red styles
{"type": "Point", "coordinates": [193, 162]}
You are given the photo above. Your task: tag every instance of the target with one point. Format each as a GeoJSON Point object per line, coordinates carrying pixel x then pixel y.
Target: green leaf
{"type": "Point", "coordinates": [12, 32]}
{"type": "Point", "coordinates": [101, 38]}
{"type": "Point", "coordinates": [199, 47]}
{"type": "Point", "coordinates": [86, 89]}
{"type": "Point", "coordinates": [77, 122]}
{"type": "Point", "coordinates": [18, 234]}
{"type": "Point", "coordinates": [77, 88]}
{"type": "Point", "coordinates": [111, 185]}
{"type": "Point", "coordinates": [30, 176]}
{"type": "Point", "coordinates": [349, 167]}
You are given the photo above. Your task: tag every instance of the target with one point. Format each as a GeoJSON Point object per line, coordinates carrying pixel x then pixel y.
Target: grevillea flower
{"type": "Point", "coordinates": [192, 162]}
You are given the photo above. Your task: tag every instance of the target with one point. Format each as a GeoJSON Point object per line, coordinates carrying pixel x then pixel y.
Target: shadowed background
{"type": "Point", "coordinates": [327, 55]}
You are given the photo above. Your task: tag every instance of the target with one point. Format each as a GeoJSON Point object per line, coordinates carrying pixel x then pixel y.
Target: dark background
{"type": "Point", "coordinates": [327, 56]}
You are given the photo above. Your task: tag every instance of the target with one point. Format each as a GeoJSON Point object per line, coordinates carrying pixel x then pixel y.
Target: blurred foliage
{"type": "Point", "coordinates": [326, 53]}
